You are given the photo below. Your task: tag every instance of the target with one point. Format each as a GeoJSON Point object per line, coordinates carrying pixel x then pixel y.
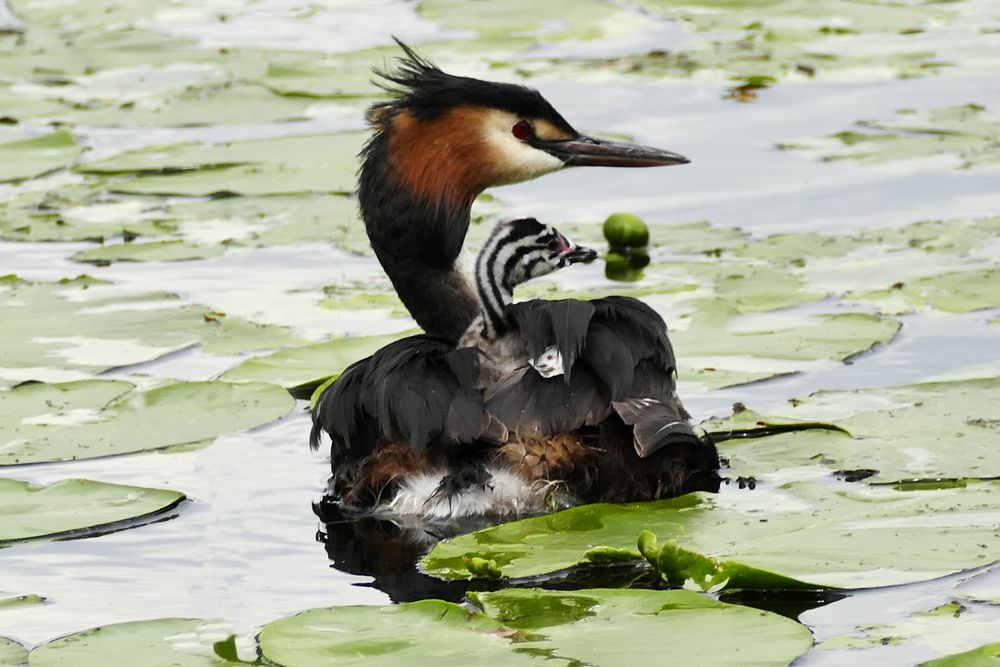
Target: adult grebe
{"type": "Point", "coordinates": [542, 404]}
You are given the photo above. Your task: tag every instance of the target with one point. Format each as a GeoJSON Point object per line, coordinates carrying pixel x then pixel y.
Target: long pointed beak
{"type": "Point", "coordinates": [586, 151]}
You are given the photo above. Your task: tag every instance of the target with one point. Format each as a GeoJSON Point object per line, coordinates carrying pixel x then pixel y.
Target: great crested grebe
{"type": "Point", "coordinates": [500, 408]}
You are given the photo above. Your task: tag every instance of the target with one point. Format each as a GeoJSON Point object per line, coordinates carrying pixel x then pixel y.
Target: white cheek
{"type": "Point", "coordinates": [513, 160]}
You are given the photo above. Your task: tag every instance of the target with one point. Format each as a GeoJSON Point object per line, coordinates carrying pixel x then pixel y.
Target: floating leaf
{"type": "Point", "coordinates": [679, 566]}
{"type": "Point", "coordinates": [178, 642]}
{"type": "Point", "coordinates": [924, 431]}
{"type": "Point", "coordinates": [953, 292]}
{"type": "Point", "coordinates": [75, 507]}
{"type": "Point", "coordinates": [298, 163]}
{"type": "Point", "coordinates": [429, 632]}
{"type": "Point", "coordinates": [299, 365]}
{"type": "Point", "coordinates": [27, 158]}
{"type": "Point", "coordinates": [987, 655]}
{"type": "Point", "coordinates": [967, 134]}
{"type": "Point", "coordinates": [842, 536]}
{"type": "Point", "coordinates": [58, 330]}
{"type": "Point", "coordinates": [151, 251]}
{"type": "Point", "coordinates": [12, 654]}
{"type": "Point", "coordinates": [6, 603]}
{"type": "Point", "coordinates": [610, 627]}
{"type": "Point", "coordinates": [93, 418]}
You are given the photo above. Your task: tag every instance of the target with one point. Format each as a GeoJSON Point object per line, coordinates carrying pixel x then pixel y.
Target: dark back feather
{"type": "Point", "coordinates": [419, 390]}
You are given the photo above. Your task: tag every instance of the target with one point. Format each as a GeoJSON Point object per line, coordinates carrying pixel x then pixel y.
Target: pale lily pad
{"type": "Point", "coordinates": [151, 251]}
{"type": "Point", "coordinates": [299, 365]}
{"type": "Point", "coordinates": [110, 328]}
{"type": "Point", "coordinates": [94, 418]}
{"type": "Point", "coordinates": [428, 632]}
{"type": "Point", "coordinates": [12, 654]}
{"type": "Point", "coordinates": [586, 19]}
{"type": "Point", "coordinates": [969, 135]}
{"type": "Point", "coordinates": [20, 600]}
{"type": "Point", "coordinates": [717, 346]}
{"type": "Point", "coordinates": [27, 158]}
{"type": "Point", "coordinates": [953, 292]}
{"type": "Point", "coordinates": [843, 536]}
{"type": "Point", "coordinates": [947, 627]}
{"type": "Point", "coordinates": [987, 655]}
{"type": "Point", "coordinates": [75, 507]}
{"type": "Point", "coordinates": [299, 163]}
{"type": "Point", "coordinates": [924, 431]}
{"type": "Point", "coordinates": [73, 214]}
{"type": "Point", "coordinates": [178, 642]}
{"type": "Point", "coordinates": [195, 105]}
{"type": "Point", "coordinates": [611, 627]}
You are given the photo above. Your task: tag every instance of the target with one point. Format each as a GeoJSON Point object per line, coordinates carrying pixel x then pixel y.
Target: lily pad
{"type": "Point", "coordinates": [7, 603]}
{"type": "Point", "coordinates": [952, 292]}
{"type": "Point", "coordinates": [76, 214]}
{"type": "Point", "coordinates": [987, 655]}
{"type": "Point", "coordinates": [845, 536]}
{"type": "Point", "coordinates": [12, 654]}
{"type": "Point", "coordinates": [109, 328]}
{"type": "Point", "coordinates": [152, 251]}
{"type": "Point", "coordinates": [298, 163]}
{"type": "Point", "coordinates": [93, 418]}
{"type": "Point", "coordinates": [924, 431]}
{"type": "Point", "coordinates": [428, 632]}
{"type": "Point", "coordinates": [178, 642]}
{"type": "Point", "coordinates": [27, 158]}
{"type": "Point", "coordinates": [526, 626]}
{"type": "Point", "coordinates": [298, 365]}
{"type": "Point", "coordinates": [768, 344]}
{"type": "Point", "coordinates": [611, 627]}
{"type": "Point", "coordinates": [75, 507]}
{"type": "Point", "coordinates": [586, 19]}
{"type": "Point", "coordinates": [968, 135]}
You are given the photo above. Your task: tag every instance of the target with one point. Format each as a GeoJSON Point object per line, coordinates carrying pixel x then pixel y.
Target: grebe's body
{"type": "Point", "coordinates": [500, 409]}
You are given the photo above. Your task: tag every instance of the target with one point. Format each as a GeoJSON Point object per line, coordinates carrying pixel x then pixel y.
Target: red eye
{"type": "Point", "coordinates": [522, 130]}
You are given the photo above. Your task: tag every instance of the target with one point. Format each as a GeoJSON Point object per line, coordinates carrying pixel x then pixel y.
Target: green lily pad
{"type": "Point", "coordinates": [178, 642]}
{"type": "Point", "coordinates": [298, 365]}
{"type": "Point", "coordinates": [27, 158]}
{"type": "Point", "coordinates": [844, 536]}
{"type": "Point", "coordinates": [633, 627]}
{"type": "Point", "coordinates": [924, 431]}
{"type": "Point", "coordinates": [75, 507]}
{"type": "Point", "coordinates": [682, 567]}
{"type": "Point", "coordinates": [987, 655]}
{"type": "Point", "coordinates": [428, 632]}
{"type": "Point", "coordinates": [93, 418]}
{"type": "Point", "coordinates": [526, 626]}
{"type": "Point", "coordinates": [968, 134]}
{"type": "Point", "coordinates": [110, 328]}
{"type": "Point", "coordinates": [299, 163]}
{"type": "Point", "coordinates": [12, 654]}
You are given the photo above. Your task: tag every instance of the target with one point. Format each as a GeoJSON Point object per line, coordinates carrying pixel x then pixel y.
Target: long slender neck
{"type": "Point", "coordinates": [417, 239]}
{"type": "Point", "coordinates": [495, 290]}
